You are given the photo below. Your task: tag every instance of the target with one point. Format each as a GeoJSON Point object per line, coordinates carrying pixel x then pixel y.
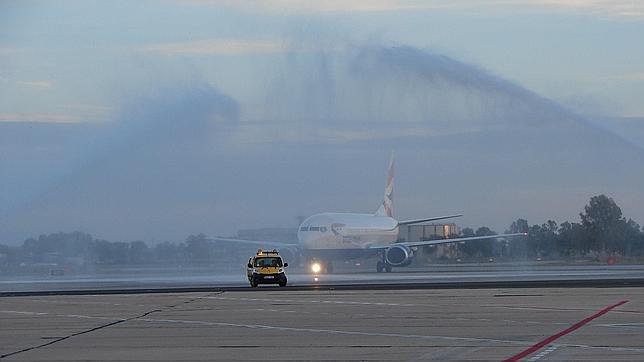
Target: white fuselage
{"type": "Point", "coordinates": [345, 231]}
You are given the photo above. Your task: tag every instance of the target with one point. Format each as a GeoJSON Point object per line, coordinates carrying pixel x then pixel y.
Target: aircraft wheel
{"type": "Point", "coordinates": [380, 266]}
{"type": "Point", "coordinates": [387, 268]}
{"type": "Point", "coordinates": [282, 280]}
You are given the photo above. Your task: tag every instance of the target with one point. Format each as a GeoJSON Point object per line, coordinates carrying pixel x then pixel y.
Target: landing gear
{"type": "Point", "coordinates": [382, 265]}
{"type": "Point", "coordinates": [321, 267]}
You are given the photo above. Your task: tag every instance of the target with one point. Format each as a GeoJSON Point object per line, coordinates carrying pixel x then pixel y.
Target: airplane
{"type": "Point", "coordinates": [345, 236]}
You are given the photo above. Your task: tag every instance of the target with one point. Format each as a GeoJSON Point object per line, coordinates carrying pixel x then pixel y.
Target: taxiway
{"type": "Point", "coordinates": [283, 324]}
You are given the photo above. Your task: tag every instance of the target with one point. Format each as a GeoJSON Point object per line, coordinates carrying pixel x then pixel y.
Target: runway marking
{"type": "Point", "coordinates": [555, 309]}
{"type": "Point", "coordinates": [314, 313]}
{"type": "Point", "coordinates": [393, 316]}
{"type": "Point", "coordinates": [449, 353]}
{"type": "Point", "coordinates": [315, 301]}
{"type": "Point", "coordinates": [313, 330]}
{"type": "Point", "coordinates": [568, 330]}
{"type": "Point", "coordinates": [377, 334]}
{"type": "Point", "coordinates": [60, 339]}
{"type": "Point", "coordinates": [543, 353]}
{"type": "Point", "coordinates": [330, 331]}
{"type": "Point", "coordinates": [67, 302]}
{"type": "Point", "coordinates": [622, 325]}
{"type": "Point", "coordinates": [280, 328]}
{"type": "Point", "coordinates": [536, 308]}
{"type": "Point", "coordinates": [21, 312]}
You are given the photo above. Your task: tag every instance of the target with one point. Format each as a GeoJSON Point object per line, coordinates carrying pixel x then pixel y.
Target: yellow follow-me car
{"type": "Point", "coordinates": [266, 267]}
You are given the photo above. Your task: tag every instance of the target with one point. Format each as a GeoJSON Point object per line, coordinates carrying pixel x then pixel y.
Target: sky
{"type": "Point", "coordinates": [152, 120]}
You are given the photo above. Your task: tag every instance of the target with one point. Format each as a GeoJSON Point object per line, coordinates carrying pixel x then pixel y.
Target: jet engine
{"type": "Point", "coordinates": [399, 255]}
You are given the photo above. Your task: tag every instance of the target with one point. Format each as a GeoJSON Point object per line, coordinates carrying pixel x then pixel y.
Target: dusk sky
{"type": "Point", "coordinates": [152, 120]}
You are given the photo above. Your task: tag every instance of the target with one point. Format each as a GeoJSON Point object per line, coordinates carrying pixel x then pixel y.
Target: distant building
{"type": "Point", "coordinates": [418, 232]}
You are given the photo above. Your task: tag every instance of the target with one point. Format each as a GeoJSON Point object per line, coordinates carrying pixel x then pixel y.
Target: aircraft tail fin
{"type": "Point", "coordinates": [387, 206]}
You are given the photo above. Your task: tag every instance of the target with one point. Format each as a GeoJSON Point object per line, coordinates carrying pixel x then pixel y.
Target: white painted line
{"type": "Point", "coordinates": [621, 325]}
{"type": "Point", "coordinates": [330, 331]}
{"type": "Point", "coordinates": [543, 353]}
{"type": "Point", "coordinates": [313, 301]}
{"type": "Point", "coordinates": [21, 312]}
{"type": "Point", "coordinates": [321, 331]}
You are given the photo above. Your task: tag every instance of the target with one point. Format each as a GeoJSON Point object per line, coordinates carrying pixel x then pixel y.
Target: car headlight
{"type": "Point", "coordinates": [280, 270]}
{"type": "Point", "coordinates": [316, 267]}
{"type": "Point", "coordinates": [255, 270]}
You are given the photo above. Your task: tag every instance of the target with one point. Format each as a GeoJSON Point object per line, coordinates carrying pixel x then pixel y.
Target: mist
{"type": "Point", "coordinates": [314, 133]}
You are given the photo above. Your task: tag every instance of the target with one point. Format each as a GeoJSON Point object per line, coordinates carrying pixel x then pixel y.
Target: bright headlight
{"type": "Point", "coordinates": [316, 267]}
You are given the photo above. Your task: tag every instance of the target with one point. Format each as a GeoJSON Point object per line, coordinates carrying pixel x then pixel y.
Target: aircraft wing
{"type": "Point", "coordinates": [416, 221]}
{"type": "Point", "coordinates": [258, 243]}
{"type": "Point", "coordinates": [445, 241]}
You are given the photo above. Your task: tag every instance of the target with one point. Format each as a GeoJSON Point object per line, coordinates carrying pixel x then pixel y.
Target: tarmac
{"type": "Point", "coordinates": [349, 276]}
{"type": "Point", "coordinates": [276, 324]}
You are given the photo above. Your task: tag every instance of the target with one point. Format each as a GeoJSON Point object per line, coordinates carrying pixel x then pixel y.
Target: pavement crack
{"type": "Point", "coordinates": [191, 300]}
{"type": "Point", "coordinates": [54, 340]}
{"type": "Point", "coordinates": [59, 339]}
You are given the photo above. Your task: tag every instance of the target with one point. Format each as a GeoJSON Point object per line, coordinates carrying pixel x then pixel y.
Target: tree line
{"type": "Point", "coordinates": [79, 250]}
{"type": "Point", "coordinates": [602, 231]}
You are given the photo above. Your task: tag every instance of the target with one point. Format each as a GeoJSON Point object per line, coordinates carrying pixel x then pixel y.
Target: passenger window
{"type": "Point", "coordinates": [314, 228]}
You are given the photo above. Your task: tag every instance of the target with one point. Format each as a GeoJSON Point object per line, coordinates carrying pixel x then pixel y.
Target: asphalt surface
{"type": "Point", "coordinates": [469, 275]}
{"type": "Point", "coordinates": [276, 324]}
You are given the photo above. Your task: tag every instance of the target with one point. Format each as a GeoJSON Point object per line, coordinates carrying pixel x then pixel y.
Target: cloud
{"type": "Point", "coordinates": [633, 77]}
{"type": "Point", "coordinates": [331, 6]}
{"type": "Point", "coordinates": [625, 77]}
{"type": "Point", "coordinates": [42, 84]}
{"type": "Point", "coordinates": [8, 51]}
{"type": "Point", "coordinates": [614, 8]}
{"type": "Point", "coordinates": [611, 8]}
{"type": "Point", "coordinates": [218, 46]}
{"type": "Point", "coordinates": [91, 108]}
{"type": "Point", "coordinates": [39, 117]}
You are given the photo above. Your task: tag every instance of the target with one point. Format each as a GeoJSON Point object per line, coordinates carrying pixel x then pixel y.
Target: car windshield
{"type": "Point", "coordinates": [277, 262]}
